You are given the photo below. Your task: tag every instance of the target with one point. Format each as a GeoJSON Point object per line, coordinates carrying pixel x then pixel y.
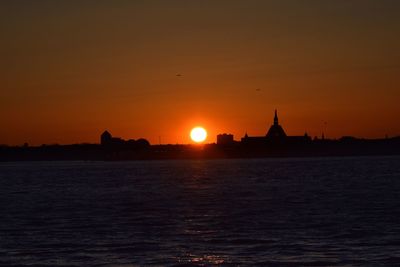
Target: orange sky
{"type": "Point", "coordinates": [70, 70]}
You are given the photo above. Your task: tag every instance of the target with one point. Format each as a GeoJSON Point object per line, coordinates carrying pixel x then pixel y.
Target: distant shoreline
{"type": "Point", "coordinates": [97, 152]}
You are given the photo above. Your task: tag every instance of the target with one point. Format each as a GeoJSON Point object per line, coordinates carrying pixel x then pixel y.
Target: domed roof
{"type": "Point", "coordinates": [276, 131]}
{"type": "Point", "coordinates": [106, 134]}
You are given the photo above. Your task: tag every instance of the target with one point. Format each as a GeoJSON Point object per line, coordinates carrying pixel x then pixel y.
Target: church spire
{"type": "Point", "coordinates": [276, 118]}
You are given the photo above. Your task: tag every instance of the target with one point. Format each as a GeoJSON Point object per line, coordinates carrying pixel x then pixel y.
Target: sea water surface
{"type": "Point", "coordinates": [245, 212]}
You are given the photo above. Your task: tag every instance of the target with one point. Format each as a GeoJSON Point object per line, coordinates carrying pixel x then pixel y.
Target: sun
{"type": "Point", "coordinates": [198, 134]}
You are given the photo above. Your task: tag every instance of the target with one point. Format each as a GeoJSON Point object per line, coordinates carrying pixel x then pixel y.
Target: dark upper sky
{"type": "Point", "coordinates": [70, 69]}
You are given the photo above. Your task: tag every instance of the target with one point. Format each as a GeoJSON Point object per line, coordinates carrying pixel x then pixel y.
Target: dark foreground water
{"type": "Point", "coordinates": [263, 212]}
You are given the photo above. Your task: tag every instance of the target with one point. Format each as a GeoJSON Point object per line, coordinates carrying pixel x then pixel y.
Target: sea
{"type": "Point", "coordinates": [227, 212]}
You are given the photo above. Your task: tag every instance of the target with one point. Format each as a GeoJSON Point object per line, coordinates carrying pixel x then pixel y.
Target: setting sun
{"type": "Point", "coordinates": [198, 134]}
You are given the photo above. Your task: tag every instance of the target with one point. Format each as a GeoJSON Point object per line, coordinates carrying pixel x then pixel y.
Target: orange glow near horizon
{"type": "Point", "coordinates": [153, 70]}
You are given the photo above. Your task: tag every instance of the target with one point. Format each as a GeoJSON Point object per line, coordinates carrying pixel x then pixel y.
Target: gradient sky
{"type": "Point", "coordinates": [71, 69]}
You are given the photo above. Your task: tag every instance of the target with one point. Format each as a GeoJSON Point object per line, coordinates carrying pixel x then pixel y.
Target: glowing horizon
{"type": "Point", "coordinates": [153, 69]}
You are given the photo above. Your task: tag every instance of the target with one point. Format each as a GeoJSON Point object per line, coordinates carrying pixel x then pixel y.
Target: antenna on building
{"type": "Point", "coordinates": [159, 139]}
{"type": "Point", "coordinates": [324, 130]}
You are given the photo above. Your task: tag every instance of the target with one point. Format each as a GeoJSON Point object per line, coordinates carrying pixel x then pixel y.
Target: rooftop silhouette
{"type": "Point", "coordinates": [275, 135]}
{"type": "Point", "coordinates": [276, 131]}
{"type": "Point", "coordinates": [275, 143]}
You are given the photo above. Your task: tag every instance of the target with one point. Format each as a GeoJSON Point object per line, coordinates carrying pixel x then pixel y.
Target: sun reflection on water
{"type": "Point", "coordinates": [207, 259]}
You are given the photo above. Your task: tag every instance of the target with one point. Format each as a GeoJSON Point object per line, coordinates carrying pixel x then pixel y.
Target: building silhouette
{"type": "Point", "coordinates": [225, 139]}
{"type": "Point", "coordinates": [108, 141]}
{"type": "Point", "coordinates": [275, 143]}
{"type": "Point", "coordinates": [105, 138]}
{"type": "Point", "coordinates": [275, 135]}
{"type": "Point", "coordinates": [276, 131]}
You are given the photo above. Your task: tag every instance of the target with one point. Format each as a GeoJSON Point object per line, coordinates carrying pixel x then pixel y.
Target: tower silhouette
{"type": "Point", "coordinates": [276, 131]}
{"type": "Point", "coordinates": [276, 118]}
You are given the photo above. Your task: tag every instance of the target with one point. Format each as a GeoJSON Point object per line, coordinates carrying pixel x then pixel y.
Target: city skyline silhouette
{"type": "Point", "coordinates": [274, 143]}
{"type": "Point", "coordinates": [199, 133]}
{"type": "Point", "coordinates": [141, 69]}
